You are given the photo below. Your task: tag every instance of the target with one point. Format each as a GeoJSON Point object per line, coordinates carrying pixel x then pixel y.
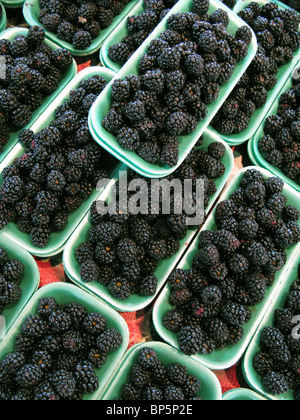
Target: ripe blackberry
{"type": "Point", "coordinates": [129, 139]}
{"type": "Point", "coordinates": [120, 288]}
{"type": "Point", "coordinates": [235, 314]}
{"type": "Point", "coordinates": [147, 358]}
{"type": "Point", "coordinates": [89, 271]}
{"type": "Point", "coordinates": [275, 383]}
{"type": "Point", "coordinates": [59, 321]}
{"type": "Point", "coordinates": [200, 7]}
{"type": "Point", "coordinates": [218, 332]}
{"type": "Point", "coordinates": [190, 340]}
{"type": "Point", "coordinates": [13, 270]}
{"type": "Point", "coordinates": [173, 320]}
{"type": "Point", "coordinates": [29, 376]}
{"type": "Point", "coordinates": [86, 378]}
{"type": "Point", "coordinates": [148, 286]}
{"type": "Point", "coordinates": [10, 292]}
{"type": "Point", "coordinates": [177, 374]}
{"type": "Point", "coordinates": [208, 42]}
{"type": "Point", "coordinates": [63, 383]}
{"type": "Point", "coordinates": [154, 81]}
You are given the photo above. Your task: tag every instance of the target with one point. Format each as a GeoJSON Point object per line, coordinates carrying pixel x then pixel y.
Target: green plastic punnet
{"type": "Point", "coordinates": [13, 4]}
{"type": "Point", "coordinates": [253, 379]}
{"type": "Point", "coordinates": [103, 103]}
{"type": "Point", "coordinates": [57, 240]}
{"type": "Point", "coordinates": [11, 34]}
{"type": "Point", "coordinates": [254, 152]}
{"type": "Point", "coordinates": [283, 72]}
{"type": "Point", "coordinates": [81, 234]}
{"type": "Point", "coordinates": [3, 21]}
{"type": "Point", "coordinates": [242, 394]}
{"type": "Point", "coordinates": [211, 387]}
{"type": "Point", "coordinates": [64, 294]}
{"type": "Point", "coordinates": [29, 283]}
{"type": "Point", "coordinates": [31, 11]}
{"type": "Point", "coordinates": [224, 359]}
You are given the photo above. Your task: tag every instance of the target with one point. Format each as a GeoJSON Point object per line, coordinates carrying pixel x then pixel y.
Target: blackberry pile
{"type": "Point", "coordinates": [79, 23]}
{"type": "Point", "coordinates": [123, 251]}
{"type": "Point", "coordinates": [234, 266]}
{"type": "Point", "coordinates": [179, 76]}
{"type": "Point", "coordinates": [33, 72]}
{"type": "Point", "coordinates": [280, 144]}
{"type": "Point", "coordinates": [11, 275]}
{"type": "Point", "coordinates": [278, 361]}
{"type": "Point", "coordinates": [57, 354]}
{"type": "Point", "coordinates": [58, 171]}
{"type": "Point", "coordinates": [139, 28]}
{"type": "Point", "coordinates": [278, 39]}
{"type": "Point", "coordinates": [152, 380]}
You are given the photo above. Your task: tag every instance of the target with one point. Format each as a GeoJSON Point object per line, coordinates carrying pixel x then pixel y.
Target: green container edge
{"type": "Point", "coordinates": [242, 394]}
{"type": "Point", "coordinates": [253, 143]}
{"type": "Point", "coordinates": [11, 4]}
{"type": "Point", "coordinates": [259, 115]}
{"type": "Point", "coordinates": [102, 104]}
{"type": "Point", "coordinates": [3, 21]}
{"type": "Point", "coordinates": [224, 359]}
{"type": "Point", "coordinates": [57, 240]}
{"type": "Point", "coordinates": [29, 283]}
{"type": "Point", "coordinates": [136, 303]}
{"type": "Point", "coordinates": [31, 8]}
{"type": "Point", "coordinates": [66, 293]}
{"type": "Point", "coordinates": [253, 379]}
{"type": "Point", "coordinates": [13, 138]}
{"type": "Point", "coordinates": [211, 387]}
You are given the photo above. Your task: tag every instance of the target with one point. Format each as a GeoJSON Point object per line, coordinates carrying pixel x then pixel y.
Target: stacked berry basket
{"type": "Point", "coordinates": [142, 257]}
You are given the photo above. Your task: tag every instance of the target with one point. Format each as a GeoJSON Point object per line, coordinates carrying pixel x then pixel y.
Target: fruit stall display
{"type": "Point", "coordinates": [145, 306]}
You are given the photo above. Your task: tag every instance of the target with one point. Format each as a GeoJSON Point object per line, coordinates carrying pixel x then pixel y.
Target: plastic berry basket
{"type": "Point", "coordinates": [223, 359]}
{"type": "Point", "coordinates": [31, 11]}
{"type": "Point", "coordinates": [57, 240]}
{"type": "Point", "coordinates": [253, 379]}
{"type": "Point", "coordinates": [242, 394]}
{"type": "Point", "coordinates": [255, 154]}
{"type": "Point", "coordinates": [64, 294]}
{"type": "Point", "coordinates": [116, 36]}
{"type": "Point", "coordinates": [11, 4]}
{"type": "Point", "coordinates": [283, 73]}
{"type": "Point", "coordinates": [102, 104]}
{"type": "Point", "coordinates": [165, 267]}
{"type": "Point", "coordinates": [29, 283]}
{"type": "Point", "coordinates": [11, 34]}
{"type": "Point", "coordinates": [3, 20]}
{"type": "Point", "coordinates": [211, 388]}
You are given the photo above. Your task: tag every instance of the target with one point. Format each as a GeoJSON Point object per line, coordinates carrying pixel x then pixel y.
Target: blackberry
{"type": "Point", "coordinates": [177, 123]}
{"type": "Point", "coordinates": [154, 81]}
{"type": "Point", "coordinates": [194, 65]}
{"type": "Point", "coordinates": [120, 288]}
{"type": "Point", "coordinates": [190, 340]}
{"type": "Point", "coordinates": [86, 378]}
{"type": "Point", "coordinates": [275, 383]}
{"type": "Point", "coordinates": [157, 249]}
{"type": "Point", "coordinates": [89, 271]}
{"type": "Point", "coordinates": [12, 189]}
{"type": "Point", "coordinates": [218, 332]}
{"type": "Point", "coordinates": [177, 374]}
{"type": "Point", "coordinates": [173, 393]}
{"type": "Point", "coordinates": [200, 7]}
{"type": "Point", "coordinates": [147, 358]}
{"type": "Point", "coordinates": [263, 363]}
{"type": "Point", "coordinates": [135, 111]}
{"type": "Point", "coordinates": [113, 122]}
{"type": "Point", "coordinates": [29, 376]}
{"type": "Point", "coordinates": [175, 81]}
{"type": "Point", "coordinates": [235, 314]}
{"type": "Point", "coordinates": [82, 40]}
{"type": "Point", "coordinates": [13, 270]}
{"type": "Point", "coordinates": [208, 42]}
{"type": "Point", "coordinates": [64, 383]}
{"type": "Point", "coordinates": [59, 321]}
{"type": "Point", "coordinates": [148, 286]}
{"type": "Point", "coordinates": [129, 139]}
{"type": "Point", "coordinates": [173, 320]}
{"type": "Point", "coordinates": [94, 323]}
